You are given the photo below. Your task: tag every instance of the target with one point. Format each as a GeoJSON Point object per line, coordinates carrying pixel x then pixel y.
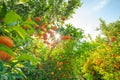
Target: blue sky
{"type": "Point", "coordinates": [87, 16]}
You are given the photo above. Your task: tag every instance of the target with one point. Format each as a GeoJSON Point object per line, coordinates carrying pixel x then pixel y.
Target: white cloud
{"type": "Point", "coordinates": [85, 21]}
{"type": "Point", "coordinates": [100, 5]}
{"type": "Point", "coordinates": [86, 17]}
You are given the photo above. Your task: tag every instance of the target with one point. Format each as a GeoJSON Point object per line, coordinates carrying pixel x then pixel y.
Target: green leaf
{"type": "Point", "coordinates": [1, 66]}
{"type": "Point", "coordinates": [24, 1]}
{"type": "Point", "coordinates": [31, 29]}
{"type": "Point", "coordinates": [28, 57]}
{"type": "Point", "coordinates": [20, 31]}
{"type": "Point", "coordinates": [19, 73]}
{"type": "Point", "coordinates": [6, 49]}
{"type": "Point", "coordinates": [29, 22]}
{"type": "Point", "coordinates": [12, 18]}
{"type": "Point", "coordinates": [88, 76]}
{"type": "Point", "coordinates": [3, 10]}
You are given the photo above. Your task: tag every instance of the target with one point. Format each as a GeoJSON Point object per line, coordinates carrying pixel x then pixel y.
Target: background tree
{"type": "Point", "coordinates": [102, 63]}
{"type": "Point", "coordinates": [28, 23]}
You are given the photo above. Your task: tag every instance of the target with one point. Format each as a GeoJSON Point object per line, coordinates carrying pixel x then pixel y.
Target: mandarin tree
{"type": "Point", "coordinates": [30, 24]}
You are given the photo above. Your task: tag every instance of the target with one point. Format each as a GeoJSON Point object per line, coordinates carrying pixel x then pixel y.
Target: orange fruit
{"type": "Point", "coordinates": [31, 34]}
{"type": "Point", "coordinates": [62, 37]}
{"type": "Point", "coordinates": [4, 56]}
{"type": "Point", "coordinates": [42, 27]}
{"type": "Point", "coordinates": [51, 34]}
{"type": "Point", "coordinates": [28, 19]}
{"type": "Point", "coordinates": [37, 19]}
{"type": "Point", "coordinates": [115, 66]}
{"type": "Point", "coordinates": [61, 63]}
{"type": "Point", "coordinates": [52, 73]}
{"type": "Point", "coordinates": [59, 68]}
{"type": "Point", "coordinates": [112, 38]}
{"type": "Point", "coordinates": [67, 37]}
{"type": "Point", "coordinates": [40, 35]}
{"type": "Point", "coordinates": [115, 55]}
{"type": "Point", "coordinates": [107, 44]}
{"type": "Point", "coordinates": [45, 36]}
{"type": "Point", "coordinates": [63, 18]}
{"type": "Point", "coordinates": [46, 42]}
{"type": "Point", "coordinates": [6, 41]}
{"type": "Point", "coordinates": [25, 27]}
{"type": "Point", "coordinates": [54, 28]}
{"type": "Point", "coordinates": [36, 26]}
{"type": "Point", "coordinates": [46, 25]}
{"type": "Point", "coordinates": [98, 62]}
{"type": "Point", "coordinates": [118, 32]}
{"type": "Point", "coordinates": [48, 31]}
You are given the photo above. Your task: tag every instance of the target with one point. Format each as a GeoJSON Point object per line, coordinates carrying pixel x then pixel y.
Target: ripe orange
{"type": "Point", "coordinates": [62, 37]}
{"type": "Point", "coordinates": [63, 18]}
{"type": "Point", "coordinates": [67, 37]}
{"type": "Point", "coordinates": [115, 66]}
{"type": "Point", "coordinates": [51, 34]}
{"type": "Point", "coordinates": [42, 27]}
{"type": "Point", "coordinates": [112, 38]}
{"type": "Point", "coordinates": [98, 62]}
{"type": "Point", "coordinates": [6, 41]}
{"type": "Point", "coordinates": [59, 63]}
{"type": "Point", "coordinates": [37, 19]}
{"type": "Point", "coordinates": [45, 36]}
{"type": "Point", "coordinates": [4, 56]}
{"type": "Point", "coordinates": [54, 28]}
{"type": "Point", "coordinates": [59, 68]}
{"type": "Point", "coordinates": [25, 27]}
{"type": "Point", "coordinates": [48, 31]}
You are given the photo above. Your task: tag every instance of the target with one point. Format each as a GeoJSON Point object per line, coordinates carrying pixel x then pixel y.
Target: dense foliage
{"type": "Point", "coordinates": [103, 62]}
